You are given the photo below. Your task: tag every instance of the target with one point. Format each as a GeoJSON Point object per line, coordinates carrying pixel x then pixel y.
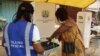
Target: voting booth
{"type": "Point", "coordinates": [84, 23]}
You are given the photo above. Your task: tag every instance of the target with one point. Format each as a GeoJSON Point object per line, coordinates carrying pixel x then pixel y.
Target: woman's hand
{"type": "Point", "coordinates": [49, 40]}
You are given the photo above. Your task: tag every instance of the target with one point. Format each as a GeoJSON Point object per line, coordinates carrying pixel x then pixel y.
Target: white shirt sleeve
{"type": "Point", "coordinates": [36, 34]}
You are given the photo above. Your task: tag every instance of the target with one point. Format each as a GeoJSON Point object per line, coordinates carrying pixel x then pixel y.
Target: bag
{"type": "Point", "coordinates": [69, 47]}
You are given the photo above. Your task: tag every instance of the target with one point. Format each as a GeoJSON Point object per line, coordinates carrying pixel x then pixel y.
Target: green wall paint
{"type": "Point", "coordinates": [8, 9]}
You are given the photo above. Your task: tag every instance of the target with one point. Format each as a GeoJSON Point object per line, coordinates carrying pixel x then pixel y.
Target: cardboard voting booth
{"type": "Point", "coordinates": [84, 23]}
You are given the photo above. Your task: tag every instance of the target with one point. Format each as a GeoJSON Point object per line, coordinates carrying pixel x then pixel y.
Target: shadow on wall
{"type": "Point", "coordinates": [72, 11]}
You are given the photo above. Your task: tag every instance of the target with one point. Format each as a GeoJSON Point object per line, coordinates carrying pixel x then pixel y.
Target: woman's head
{"type": "Point", "coordinates": [24, 10]}
{"type": "Point", "coordinates": [61, 14]}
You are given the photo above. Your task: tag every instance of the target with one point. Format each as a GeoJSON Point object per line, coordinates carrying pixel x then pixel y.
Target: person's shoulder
{"type": "Point", "coordinates": [67, 26]}
{"type": "Point", "coordinates": [34, 25]}
{"type": "Point", "coordinates": [7, 24]}
{"type": "Point", "coordinates": [31, 23]}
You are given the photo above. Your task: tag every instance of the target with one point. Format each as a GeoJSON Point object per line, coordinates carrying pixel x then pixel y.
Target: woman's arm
{"type": "Point", "coordinates": [59, 31]}
{"type": "Point", "coordinates": [38, 47]}
{"type": "Point", "coordinates": [36, 41]}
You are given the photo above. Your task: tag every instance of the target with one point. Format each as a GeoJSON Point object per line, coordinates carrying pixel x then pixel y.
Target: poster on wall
{"type": "Point", "coordinates": [45, 18]}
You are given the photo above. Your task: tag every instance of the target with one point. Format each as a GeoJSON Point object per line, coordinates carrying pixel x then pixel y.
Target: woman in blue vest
{"type": "Point", "coordinates": [21, 37]}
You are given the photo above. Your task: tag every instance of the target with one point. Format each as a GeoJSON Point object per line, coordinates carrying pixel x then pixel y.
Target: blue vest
{"type": "Point", "coordinates": [18, 39]}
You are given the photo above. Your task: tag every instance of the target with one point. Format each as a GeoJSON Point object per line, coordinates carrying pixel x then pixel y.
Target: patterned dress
{"type": "Point", "coordinates": [71, 33]}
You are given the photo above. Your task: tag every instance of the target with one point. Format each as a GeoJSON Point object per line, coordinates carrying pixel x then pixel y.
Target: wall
{"type": "Point", "coordinates": [8, 9]}
{"type": "Point", "coordinates": [72, 11]}
{"type": "Point", "coordinates": [0, 8]}
{"type": "Point", "coordinates": [45, 24]}
{"type": "Point", "coordinates": [95, 6]}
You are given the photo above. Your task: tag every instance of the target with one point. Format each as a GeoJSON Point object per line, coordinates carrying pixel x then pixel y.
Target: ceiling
{"type": "Point", "coordinates": [95, 6]}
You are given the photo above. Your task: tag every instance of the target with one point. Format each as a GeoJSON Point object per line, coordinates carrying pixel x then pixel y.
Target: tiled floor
{"type": "Point", "coordinates": [94, 49]}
